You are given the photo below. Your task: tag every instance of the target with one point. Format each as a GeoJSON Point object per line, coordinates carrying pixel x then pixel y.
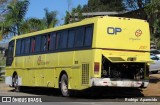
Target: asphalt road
{"type": "Point", "coordinates": [103, 96]}
{"type": "Point", "coordinates": [81, 103]}
{"type": "Point", "coordinates": [100, 96]}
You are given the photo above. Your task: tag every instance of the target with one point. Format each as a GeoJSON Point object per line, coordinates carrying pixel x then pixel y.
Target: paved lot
{"type": "Point", "coordinates": [99, 95]}
{"type": "Point", "coordinates": [154, 87]}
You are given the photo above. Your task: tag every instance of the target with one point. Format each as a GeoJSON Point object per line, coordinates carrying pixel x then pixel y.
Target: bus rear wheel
{"type": "Point", "coordinates": [154, 72]}
{"type": "Point", "coordinates": [64, 85]}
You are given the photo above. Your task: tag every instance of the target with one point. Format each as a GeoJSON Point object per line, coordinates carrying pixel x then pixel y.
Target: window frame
{"type": "Point", "coordinates": [53, 37]}
{"type": "Point", "coordinates": [77, 35]}
{"type": "Point", "coordinates": [92, 29]}
{"type": "Point", "coordinates": [27, 51]}
{"type": "Point", "coordinates": [10, 54]}
{"type": "Point", "coordinates": [39, 38]}
{"type": "Point", "coordinates": [18, 47]}
{"type": "Point", "coordinates": [52, 34]}
{"type": "Point", "coordinates": [62, 34]}
{"type": "Point", "coordinates": [69, 37]}
{"type": "Point", "coordinates": [23, 41]}
{"type": "Point", "coordinates": [32, 38]}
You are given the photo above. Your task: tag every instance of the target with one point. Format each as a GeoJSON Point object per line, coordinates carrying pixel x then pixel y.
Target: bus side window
{"type": "Point", "coordinates": [38, 43]}
{"type": "Point", "coordinates": [18, 47]}
{"type": "Point", "coordinates": [22, 46]}
{"type": "Point", "coordinates": [88, 36]}
{"type": "Point", "coordinates": [52, 42]}
{"type": "Point", "coordinates": [33, 42]}
{"type": "Point", "coordinates": [79, 37]}
{"type": "Point", "coordinates": [71, 36]}
{"type": "Point", "coordinates": [27, 46]}
{"type": "Point", "coordinates": [10, 57]}
{"type": "Point", "coordinates": [57, 40]}
{"type": "Point", "coordinates": [11, 49]}
{"type": "Point", "coordinates": [45, 42]}
{"type": "Point", "coordinates": [48, 42]}
{"type": "Point", "coordinates": [63, 40]}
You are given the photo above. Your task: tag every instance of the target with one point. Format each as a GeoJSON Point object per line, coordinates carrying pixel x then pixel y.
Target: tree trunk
{"type": "Point", "coordinates": [18, 31]}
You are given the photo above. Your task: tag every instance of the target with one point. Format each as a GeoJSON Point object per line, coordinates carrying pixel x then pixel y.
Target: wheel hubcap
{"type": "Point", "coordinates": [64, 86]}
{"type": "Point", "coordinates": [15, 82]}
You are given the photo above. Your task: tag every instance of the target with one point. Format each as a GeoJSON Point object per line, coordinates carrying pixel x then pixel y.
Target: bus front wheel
{"type": "Point", "coordinates": [15, 83]}
{"type": "Point", "coordinates": [64, 85]}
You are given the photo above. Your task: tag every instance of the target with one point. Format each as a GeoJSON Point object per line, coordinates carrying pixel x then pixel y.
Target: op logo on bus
{"type": "Point", "coordinates": [138, 33]}
{"type": "Point", "coordinates": [113, 30]}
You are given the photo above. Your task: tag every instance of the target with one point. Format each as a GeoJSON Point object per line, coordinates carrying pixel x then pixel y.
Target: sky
{"type": "Point", "coordinates": [36, 7]}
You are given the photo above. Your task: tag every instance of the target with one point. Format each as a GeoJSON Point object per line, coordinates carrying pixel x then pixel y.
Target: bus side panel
{"type": "Point", "coordinates": [28, 66]}
{"type": "Point", "coordinates": [75, 80]}
{"type": "Point", "coordinates": [49, 77]}
{"type": "Point", "coordinates": [23, 75]}
{"type": "Point", "coordinates": [83, 60]}
{"type": "Point", "coordinates": [73, 64]}
{"type": "Point", "coordinates": [64, 63]}
{"type": "Point", "coordinates": [19, 62]}
{"type": "Point", "coordinates": [51, 62]}
{"type": "Point", "coordinates": [31, 77]}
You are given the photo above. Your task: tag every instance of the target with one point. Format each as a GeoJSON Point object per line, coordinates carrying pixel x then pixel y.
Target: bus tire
{"type": "Point", "coordinates": [154, 72]}
{"type": "Point", "coordinates": [64, 85]}
{"type": "Point", "coordinates": [15, 83]}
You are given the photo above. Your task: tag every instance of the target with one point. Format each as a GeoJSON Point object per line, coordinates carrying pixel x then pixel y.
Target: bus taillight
{"type": "Point", "coordinates": [96, 67]}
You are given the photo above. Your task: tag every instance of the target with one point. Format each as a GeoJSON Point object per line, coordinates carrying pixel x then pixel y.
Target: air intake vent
{"type": "Point", "coordinates": [116, 59]}
{"type": "Point", "coordinates": [85, 74]}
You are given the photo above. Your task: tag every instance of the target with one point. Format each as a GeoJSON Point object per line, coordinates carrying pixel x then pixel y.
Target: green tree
{"type": "Point", "coordinates": [136, 4]}
{"type": "Point", "coordinates": [75, 15]}
{"type": "Point", "coordinates": [15, 22]}
{"type": "Point", "coordinates": [67, 18]}
{"type": "Point", "coordinates": [104, 6]}
{"type": "Point", "coordinates": [153, 13]}
{"type": "Point", "coordinates": [32, 25]}
{"type": "Point", "coordinates": [93, 6]}
{"type": "Point", "coordinates": [3, 27]}
{"type": "Point", "coordinates": [16, 13]}
{"type": "Point", "coordinates": [79, 12]}
{"type": "Point", "coordinates": [50, 18]}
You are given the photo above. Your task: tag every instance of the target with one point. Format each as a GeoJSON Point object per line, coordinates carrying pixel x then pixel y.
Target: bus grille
{"type": "Point", "coordinates": [85, 73]}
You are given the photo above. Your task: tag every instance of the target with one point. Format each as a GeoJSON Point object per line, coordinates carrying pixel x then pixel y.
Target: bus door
{"type": "Point", "coordinates": [10, 53]}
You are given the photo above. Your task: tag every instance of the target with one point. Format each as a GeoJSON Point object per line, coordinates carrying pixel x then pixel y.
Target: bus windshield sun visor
{"type": "Point", "coordinates": [122, 60]}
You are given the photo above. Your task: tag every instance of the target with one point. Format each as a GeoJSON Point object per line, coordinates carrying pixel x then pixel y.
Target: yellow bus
{"type": "Point", "coordinates": [95, 52]}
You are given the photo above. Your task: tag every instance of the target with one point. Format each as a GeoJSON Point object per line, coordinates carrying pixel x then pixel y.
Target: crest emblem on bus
{"type": "Point", "coordinates": [138, 33]}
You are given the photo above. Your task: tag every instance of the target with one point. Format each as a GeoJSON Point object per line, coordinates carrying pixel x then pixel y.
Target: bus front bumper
{"type": "Point", "coordinates": [118, 82]}
{"type": "Point", "coordinates": [9, 81]}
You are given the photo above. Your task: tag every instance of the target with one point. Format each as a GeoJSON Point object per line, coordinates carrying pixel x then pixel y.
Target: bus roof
{"type": "Point", "coordinates": [83, 22]}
